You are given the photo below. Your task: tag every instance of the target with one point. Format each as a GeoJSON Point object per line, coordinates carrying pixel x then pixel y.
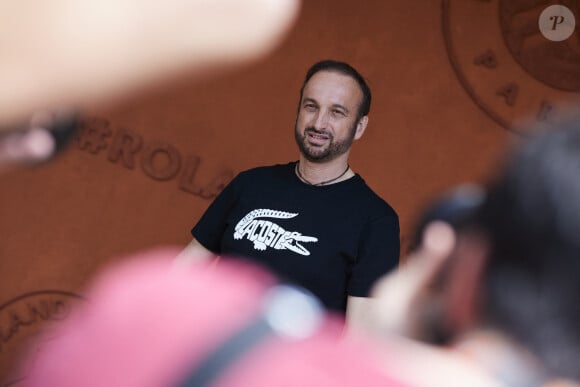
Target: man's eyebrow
{"type": "Point", "coordinates": [308, 99]}
{"type": "Point", "coordinates": [339, 106]}
{"type": "Point", "coordinates": [334, 105]}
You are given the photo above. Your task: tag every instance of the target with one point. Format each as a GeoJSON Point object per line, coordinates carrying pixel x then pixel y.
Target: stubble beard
{"type": "Point", "coordinates": [326, 153]}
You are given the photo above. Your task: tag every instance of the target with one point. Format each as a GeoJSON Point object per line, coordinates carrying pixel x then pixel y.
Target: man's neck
{"type": "Point", "coordinates": [327, 173]}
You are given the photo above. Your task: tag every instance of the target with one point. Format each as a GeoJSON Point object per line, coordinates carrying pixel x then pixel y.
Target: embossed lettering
{"type": "Point", "coordinates": [510, 93]}
{"type": "Point", "coordinates": [42, 310]}
{"type": "Point", "coordinates": [124, 146]}
{"type": "Point", "coordinates": [186, 180]}
{"type": "Point", "coordinates": [92, 135]}
{"type": "Point", "coordinates": [152, 153]}
{"type": "Point", "coordinates": [487, 59]}
{"type": "Point", "coordinates": [545, 111]}
{"type": "Point", "coordinates": [159, 161]}
{"type": "Point", "coordinates": [217, 185]}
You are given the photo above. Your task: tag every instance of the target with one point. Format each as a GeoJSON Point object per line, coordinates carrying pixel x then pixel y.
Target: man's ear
{"type": "Point", "coordinates": [464, 283]}
{"type": "Point", "coordinates": [361, 127]}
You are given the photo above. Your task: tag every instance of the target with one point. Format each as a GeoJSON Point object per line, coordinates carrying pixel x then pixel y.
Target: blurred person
{"type": "Point", "coordinates": [457, 208]}
{"type": "Point", "coordinates": [56, 53]}
{"type": "Point", "coordinates": [314, 222]}
{"type": "Point", "coordinates": [148, 323]}
{"type": "Point", "coordinates": [500, 289]}
{"type": "Point", "coordinates": [66, 55]}
{"type": "Point", "coordinates": [42, 138]}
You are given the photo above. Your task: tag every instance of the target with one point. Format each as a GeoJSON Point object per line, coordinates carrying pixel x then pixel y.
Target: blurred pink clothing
{"type": "Point", "coordinates": [149, 324]}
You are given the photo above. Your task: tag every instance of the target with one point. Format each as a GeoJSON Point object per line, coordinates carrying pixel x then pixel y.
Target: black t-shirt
{"type": "Point", "coordinates": [334, 240]}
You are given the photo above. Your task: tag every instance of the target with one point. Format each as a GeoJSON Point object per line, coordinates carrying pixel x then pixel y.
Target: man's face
{"type": "Point", "coordinates": [326, 124]}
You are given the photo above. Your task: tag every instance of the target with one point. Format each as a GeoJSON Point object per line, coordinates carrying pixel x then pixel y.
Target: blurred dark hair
{"type": "Point", "coordinates": [457, 207]}
{"type": "Point", "coordinates": [62, 127]}
{"type": "Point", "coordinates": [532, 218]}
{"type": "Point", "coordinates": [346, 69]}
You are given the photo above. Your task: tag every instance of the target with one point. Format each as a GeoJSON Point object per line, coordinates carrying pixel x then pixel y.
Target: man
{"type": "Point", "coordinates": [313, 222]}
{"type": "Point", "coordinates": [203, 327]}
{"type": "Point", "coordinates": [501, 289]}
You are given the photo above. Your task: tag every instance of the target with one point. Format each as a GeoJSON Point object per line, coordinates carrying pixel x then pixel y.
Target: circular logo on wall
{"type": "Point", "coordinates": [22, 319]}
{"type": "Point", "coordinates": [519, 60]}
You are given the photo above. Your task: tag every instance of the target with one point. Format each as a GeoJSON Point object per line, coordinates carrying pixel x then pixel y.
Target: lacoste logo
{"type": "Point", "coordinates": [264, 233]}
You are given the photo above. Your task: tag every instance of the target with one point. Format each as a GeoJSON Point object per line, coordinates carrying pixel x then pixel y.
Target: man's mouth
{"type": "Point", "coordinates": [317, 138]}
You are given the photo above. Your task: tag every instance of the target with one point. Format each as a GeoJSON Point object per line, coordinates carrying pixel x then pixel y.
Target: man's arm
{"type": "Point", "coordinates": [359, 312]}
{"type": "Point", "coordinates": [379, 254]}
{"type": "Point", "coordinates": [194, 252]}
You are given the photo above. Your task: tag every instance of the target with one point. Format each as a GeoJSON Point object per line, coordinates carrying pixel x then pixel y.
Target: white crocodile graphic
{"type": "Point", "coordinates": [256, 227]}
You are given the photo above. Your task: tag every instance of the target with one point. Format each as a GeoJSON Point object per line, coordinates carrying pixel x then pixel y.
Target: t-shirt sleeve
{"type": "Point", "coordinates": [211, 226]}
{"type": "Point", "coordinates": [378, 254]}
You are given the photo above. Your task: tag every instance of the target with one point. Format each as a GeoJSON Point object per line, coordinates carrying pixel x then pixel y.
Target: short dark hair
{"type": "Point", "coordinates": [457, 207]}
{"type": "Point", "coordinates": [532, 218]}
{"type": "Point", "coordinates": [346, 69]}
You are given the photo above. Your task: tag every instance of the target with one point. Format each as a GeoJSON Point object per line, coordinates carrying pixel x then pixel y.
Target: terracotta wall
{"type": "Point", "coordinates": [439, 71]}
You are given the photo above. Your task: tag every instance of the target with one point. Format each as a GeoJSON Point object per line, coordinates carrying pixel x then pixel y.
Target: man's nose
{"type": "Point", "coordinates": [321, 120]}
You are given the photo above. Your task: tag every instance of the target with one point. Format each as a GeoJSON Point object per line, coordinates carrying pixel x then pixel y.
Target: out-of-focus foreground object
{"type": "Point", "coordinates": [150, 323]}
{"type": "Point", "coordinates": [68, 52]}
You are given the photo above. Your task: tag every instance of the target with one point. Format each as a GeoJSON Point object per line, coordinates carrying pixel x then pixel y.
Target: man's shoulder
{"type": "Point", "coordinates": [258, 175]}
{"type": "Point", "coordinates": [374, 201]}
{"type": "Point", "coordinates": [266, 170]}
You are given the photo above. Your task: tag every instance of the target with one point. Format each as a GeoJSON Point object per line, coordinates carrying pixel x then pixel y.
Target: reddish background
{"type": "Point", "coordinates": [63, 221]}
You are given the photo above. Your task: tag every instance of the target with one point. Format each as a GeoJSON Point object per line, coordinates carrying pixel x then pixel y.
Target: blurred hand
{"type": "Point", "coordinates": [61, 53]}
{"type": "Point", "coordinates": [399, 319]}
{"type": "Point", "coordinates": [403, 295]}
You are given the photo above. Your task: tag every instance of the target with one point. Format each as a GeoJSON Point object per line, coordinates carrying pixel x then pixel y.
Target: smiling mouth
{"type": "Point", "coordinates": [317, 138]}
